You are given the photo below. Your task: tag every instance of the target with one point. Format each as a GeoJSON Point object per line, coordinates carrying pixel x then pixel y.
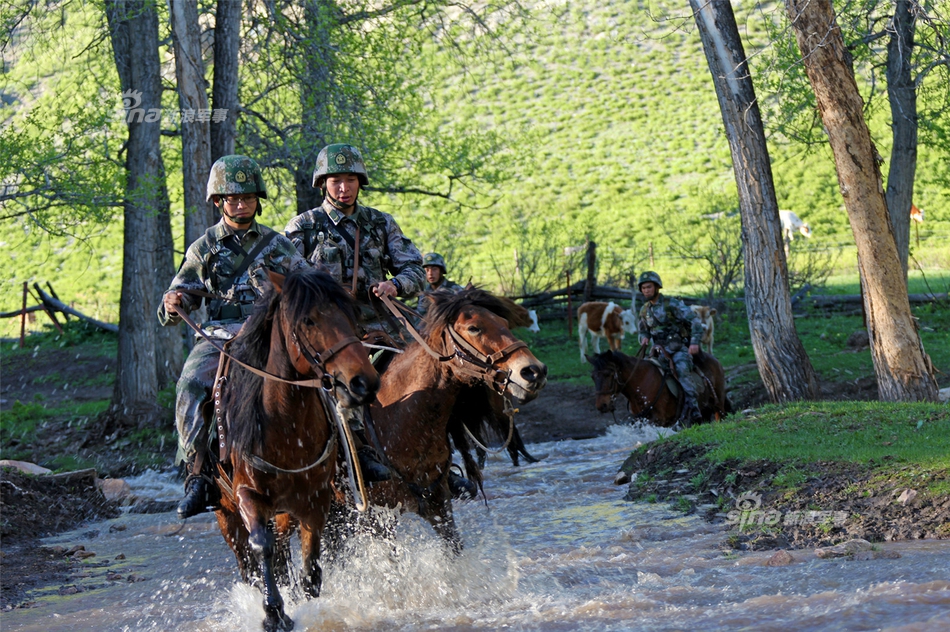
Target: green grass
{"type": "Point", "coordinates": [851, 432]}
{"type": "Point", "coordinates": [618, 137]}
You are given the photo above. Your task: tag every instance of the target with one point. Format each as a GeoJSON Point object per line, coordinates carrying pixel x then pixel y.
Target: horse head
{"type": "Point", "coordinates": [606, 376]}
{"type": "Point", "coordinates": [472, 326]}
{"type": "Point", "coordinates": [316, 320]}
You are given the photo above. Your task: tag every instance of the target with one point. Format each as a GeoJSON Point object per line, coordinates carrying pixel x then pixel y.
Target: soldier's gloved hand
{"type": "Point", "coordinates": [644, 341]}
{"type": "Point", "coordinates": [693, 349]}
{"type": "Point", "coordinates": [170, 300]}
{"type": "Point", "coordinates": [386, 288]}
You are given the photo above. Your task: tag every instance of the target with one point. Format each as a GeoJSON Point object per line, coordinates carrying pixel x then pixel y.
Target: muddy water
{"type": "Point", "coordinates": [556, 549]}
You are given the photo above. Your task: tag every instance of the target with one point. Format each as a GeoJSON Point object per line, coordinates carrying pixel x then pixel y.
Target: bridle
{"type": "Point", "coordinates": [471, 361]}
{"type": "Point", "coordinates": [322, 381]}
{"type": "Point", "coordinates": [615, 376]}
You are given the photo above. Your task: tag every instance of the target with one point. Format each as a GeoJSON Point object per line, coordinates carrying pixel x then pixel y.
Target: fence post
{"type": "Point", "coordinates": [23, 317]}
{"type": "Point", "coordinates": [570, 308]}
{"type": "Point", "coordinates": [591, 271]}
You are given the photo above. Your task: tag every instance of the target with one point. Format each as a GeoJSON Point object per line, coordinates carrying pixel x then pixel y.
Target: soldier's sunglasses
{"type": "Point", "coordinates": [235, 200]}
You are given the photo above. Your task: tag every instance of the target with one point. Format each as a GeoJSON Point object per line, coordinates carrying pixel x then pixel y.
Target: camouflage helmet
{"type": "Point", "coordinates": [339, 158]}
{"type": "Point", "coordinates": [650, 277]}
{"type": "Point", "coordinates": [236, 175]}
{"type": "Point", "coordinates": [434, 259]}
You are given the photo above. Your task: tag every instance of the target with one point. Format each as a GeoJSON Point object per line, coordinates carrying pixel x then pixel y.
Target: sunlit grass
{"type": "Point", "coordinates": [849, 432]}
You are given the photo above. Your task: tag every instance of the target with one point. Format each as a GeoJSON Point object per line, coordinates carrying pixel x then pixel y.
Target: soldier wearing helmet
{"type": "Point", "coordinates": [671, 326]}
{"type": "Point", "coordinates": [434, 265]}
{"type": "Point", "coordinates": [365, 250]}
{"type": "Point", "coordinates": [230, 261]}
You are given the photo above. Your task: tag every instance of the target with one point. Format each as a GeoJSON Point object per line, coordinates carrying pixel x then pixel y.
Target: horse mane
{"type": "Point", "coordinates": [605, 360]}
{"type": "Point", "coordinates": [243, 398]}
{"type": "Point", "coordinates": [447, 307]}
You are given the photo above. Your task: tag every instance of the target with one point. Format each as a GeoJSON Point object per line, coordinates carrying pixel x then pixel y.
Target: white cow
{"type": "Point", "coordinates": [792, 223]}
{"type": "Point", "coordinates": [533, 315]}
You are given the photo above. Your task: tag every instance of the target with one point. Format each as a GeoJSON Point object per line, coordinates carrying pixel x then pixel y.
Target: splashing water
{"type": "Point", "coordinates": [555, 549]}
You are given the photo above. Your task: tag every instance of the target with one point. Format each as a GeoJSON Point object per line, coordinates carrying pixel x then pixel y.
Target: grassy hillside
{"type": "Point", "coordinates": [615, 124]}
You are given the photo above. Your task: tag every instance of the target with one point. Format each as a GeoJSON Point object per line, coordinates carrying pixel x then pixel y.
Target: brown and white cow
{"type": "Point", "coordinates": [917, 214]}
{"type": "Point", "coordinates": [598, 320]}
{"type": "Point", "coordinates": [706, 315]}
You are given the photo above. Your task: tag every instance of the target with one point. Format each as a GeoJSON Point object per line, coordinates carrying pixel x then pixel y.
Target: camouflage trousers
{"type": "Point", "coordinates": [193, 390]}
{"type": "Point", "coordinates": [683, 362]}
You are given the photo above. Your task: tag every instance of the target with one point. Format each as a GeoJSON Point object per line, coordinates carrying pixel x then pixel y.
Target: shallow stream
{"type": "Point", "coordinates": [557, 548]}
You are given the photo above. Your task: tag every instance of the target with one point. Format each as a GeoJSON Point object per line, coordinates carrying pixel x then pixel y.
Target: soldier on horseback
{"type": "Point", "coordinates": [227, 268]}
{"type": "Point", "coordinates": [434, 265]}
{"type": "Point", "coordinates": [674, 329]}
{"type": "Point", "coordinates": [359, 246]}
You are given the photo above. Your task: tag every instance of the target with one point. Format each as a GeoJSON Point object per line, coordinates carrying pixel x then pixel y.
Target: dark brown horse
{"type": "Point", "coordinates": [481, 417]}
{"type": "Point", "coordinates": [649, 391]}
{"type": "Point", "coordinates": [468, 344]}
{"type": "Point", "coordinates": [279, 439]}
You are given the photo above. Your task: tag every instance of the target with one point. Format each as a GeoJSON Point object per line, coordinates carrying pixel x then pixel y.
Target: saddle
{"type": "Point", "coordinates": [663, 360]}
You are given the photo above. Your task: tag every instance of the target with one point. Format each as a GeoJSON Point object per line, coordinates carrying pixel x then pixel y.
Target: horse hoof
{"type": "Point", "coordinates": [277, 620]}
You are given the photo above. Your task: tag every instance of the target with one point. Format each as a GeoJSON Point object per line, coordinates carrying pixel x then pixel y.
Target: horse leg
{"type": "Point", "coordinates": [284, 527]}
{"type": "Point", "coordinates": [262, 540]}
{"type": "Point", "coordinates": [444, 524]}
{"type": "Point", "coordinates": [312, 575]}
{"type": "Point", "coordinates": [235, 534]}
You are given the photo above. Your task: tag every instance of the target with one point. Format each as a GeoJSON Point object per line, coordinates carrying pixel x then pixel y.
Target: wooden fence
{"type": "Point", "coordinates": [50, 304]}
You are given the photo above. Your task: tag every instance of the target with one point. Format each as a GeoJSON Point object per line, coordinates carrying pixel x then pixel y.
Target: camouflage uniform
{"type": "Point", "coordinates": [208, 263]}
{"type": "Point", "coordinates": [670, 324]}
{"type": "Point", "coordinates": [383, 249]}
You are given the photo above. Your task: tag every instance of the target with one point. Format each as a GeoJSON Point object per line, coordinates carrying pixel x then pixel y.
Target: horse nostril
{"type": "Point", "coordinates": [362, 388]}
{"type": "Point", "coordinates": [358, 386]}
{"type": "Point", "coordinates": [534, 373]}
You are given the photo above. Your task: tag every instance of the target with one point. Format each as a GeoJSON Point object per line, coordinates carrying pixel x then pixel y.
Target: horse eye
{"type": "Point", "coordinates": [472, 329]}
{"type": "Point", "coordinates": [308, 322]}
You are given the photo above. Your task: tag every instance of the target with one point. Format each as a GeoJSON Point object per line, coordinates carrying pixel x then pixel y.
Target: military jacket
{"type": "Point", "coordinates": [384, 250]}
{"type": "Point", "coordinates": [670, 320]}
{"type": "Point", "coordinates": [211, 262]}
{"type": "Point", "coordinates": [424, 302]}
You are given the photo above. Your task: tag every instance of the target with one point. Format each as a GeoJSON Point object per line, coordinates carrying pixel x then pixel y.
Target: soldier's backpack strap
{"type": "Point", "coordinates": [246, 262]}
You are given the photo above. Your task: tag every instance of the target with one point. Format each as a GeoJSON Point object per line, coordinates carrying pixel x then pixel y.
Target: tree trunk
{"type": "Point", "coordinates": [904, 372]}
{"type": "Point", "coordinates": [318, 60]}
{"type": "Point", "coordinates": [195, 130]}
{"type": "Point", "coordinates": [903, 99]}
{"type": "Point", "coordinates": [783, 364]}
{"type": "Point", "coordinates": [224, 93]}
{"type": "Point", "coordinates": [134, 32]}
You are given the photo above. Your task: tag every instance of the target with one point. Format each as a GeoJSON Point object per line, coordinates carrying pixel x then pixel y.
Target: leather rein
{"type": "Point", "coordinates": [323, 381]}
{"type": "Point", "coordinates": [616, 376]}
{"type": "Point", "coordinates": [466, 354]}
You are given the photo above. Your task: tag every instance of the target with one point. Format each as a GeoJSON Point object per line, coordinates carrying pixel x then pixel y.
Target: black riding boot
{"type": "Point", "coordinates": [691, 415]}
{"type": "Point", "coordinates": [461, 487]}
{"type": "Point", "coordinates": [201, 493]}
{"type": "Point", "coordinates": [373, 470]}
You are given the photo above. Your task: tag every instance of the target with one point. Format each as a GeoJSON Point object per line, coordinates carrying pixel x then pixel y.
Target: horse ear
{"type": "Point", "coordinates": [276, 279]}
{"type": "Point", "coordinates": [587, 357]}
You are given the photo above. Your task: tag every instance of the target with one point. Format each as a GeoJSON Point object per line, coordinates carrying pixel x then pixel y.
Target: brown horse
{"type": "Point", "coordinates": [648, 390]}
{"type": "Point", "coordinates": [483, 416]}
{"type": "Point", "coordinates": [278, 436]}
{"type": "Point", "coordinates": [468, 343]}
